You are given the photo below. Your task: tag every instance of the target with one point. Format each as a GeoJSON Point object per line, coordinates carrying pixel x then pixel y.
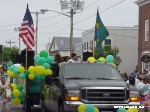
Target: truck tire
{"type": "Point", "coordinates": [28, 106]}
{"type": "Point", "coordinates": [43, 107]}
{"type": "Point", "coordinates": [61, 108]}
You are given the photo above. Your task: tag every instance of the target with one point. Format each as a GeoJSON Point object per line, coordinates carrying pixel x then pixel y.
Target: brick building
{"type": "Point", "coordinates": [144, 32]}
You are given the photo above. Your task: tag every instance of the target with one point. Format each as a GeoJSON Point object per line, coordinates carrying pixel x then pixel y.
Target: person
{"type": "Point", "coordinates": [56, 64]}
{"type": "Point", "coordinates": [74, 58]}
{"type": "Point", "coordinates": [138, 77]}
{"type": "Point", "coordinates": [3, 74]}
{"type": "Point", "coordinates": [5, 97]}
{"type": "Point", "coordinates": [144, 91]}
{"type": "Point", "coordinates": [58, 59]}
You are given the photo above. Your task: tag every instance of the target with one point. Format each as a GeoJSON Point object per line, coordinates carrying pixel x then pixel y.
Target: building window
{"type": "Point", "coordinates": [146, 30]}
{"type": "Point", "coordinates": [54, 44]}
{"type": "Point", "coordinates": [107, 42]}
{"type": "Point", "coordinates": [147, 65]}
{"type": "Point", "coordinates": [84, 46]}
{"type": "Point", "coordinates": [87, 46]}
{"type": "Point", "coordinates": [92, 45]}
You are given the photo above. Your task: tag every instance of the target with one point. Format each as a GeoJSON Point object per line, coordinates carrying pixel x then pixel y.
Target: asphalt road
{"type": "Point", "coordinates": [18, 108]}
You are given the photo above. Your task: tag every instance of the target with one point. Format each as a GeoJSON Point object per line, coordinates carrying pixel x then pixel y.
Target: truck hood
{"type": "Point", "coordinates": [77, 84]}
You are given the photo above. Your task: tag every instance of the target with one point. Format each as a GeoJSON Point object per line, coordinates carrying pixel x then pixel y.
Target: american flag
{"type": "Point", "coordinates": [27, 30]}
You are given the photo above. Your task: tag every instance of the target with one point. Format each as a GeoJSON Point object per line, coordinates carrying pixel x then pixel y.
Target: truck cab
{"type": "Point", "coordinates": [73, 84]}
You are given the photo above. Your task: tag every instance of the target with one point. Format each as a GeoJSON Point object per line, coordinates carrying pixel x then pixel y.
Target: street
{"type": "Point", "coordinates": [19, 109]}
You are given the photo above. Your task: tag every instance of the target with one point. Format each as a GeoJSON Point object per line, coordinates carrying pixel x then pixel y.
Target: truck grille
{"type": "Point", "coordinates": [104, 95]}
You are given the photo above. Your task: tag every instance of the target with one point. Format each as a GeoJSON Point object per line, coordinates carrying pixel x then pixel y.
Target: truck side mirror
{"type": "Point", "coordinates": [48, 80]}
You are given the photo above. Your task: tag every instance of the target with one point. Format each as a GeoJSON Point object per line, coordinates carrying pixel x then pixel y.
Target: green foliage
{"type": "Point", "coordinates": [8, 53]}
{"type": "Point", "coordinates": [107, 50]}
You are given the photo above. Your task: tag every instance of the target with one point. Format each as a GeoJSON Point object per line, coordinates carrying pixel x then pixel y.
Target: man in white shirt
{"type": "Point", "coordinates": [74, 57]}
{"type": "Point", "coordinates": [144, 91]}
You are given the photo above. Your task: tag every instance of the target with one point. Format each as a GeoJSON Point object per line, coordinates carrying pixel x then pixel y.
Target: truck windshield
{"type": "Point", "coordinates": [91, 71]}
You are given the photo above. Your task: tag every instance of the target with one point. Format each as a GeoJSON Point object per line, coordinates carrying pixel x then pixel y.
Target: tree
{"type": "Point", "coordinates": [8, 53]}
{"type": "Point", "coordinates": [108, 50]}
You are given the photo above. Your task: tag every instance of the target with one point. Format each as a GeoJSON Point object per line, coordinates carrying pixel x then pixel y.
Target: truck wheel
{"type": "Point", "coordinates": [24, 106]}
{"type": "Point", "coordinates": [43, 108]}
{"type": "Point", "coordinates": [61, 108]}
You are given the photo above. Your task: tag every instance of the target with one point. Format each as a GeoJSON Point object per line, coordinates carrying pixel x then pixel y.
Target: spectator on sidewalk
{"type": "Point", "coordinates": [5, 96]}
{"type": "Point", "coordinates": [144, 91]}
{"type": "Point", "coordinates": [3, 74]}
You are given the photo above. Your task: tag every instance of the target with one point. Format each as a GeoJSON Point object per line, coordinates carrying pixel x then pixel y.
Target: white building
{"type": "Point", "coordinates": [124, 38]}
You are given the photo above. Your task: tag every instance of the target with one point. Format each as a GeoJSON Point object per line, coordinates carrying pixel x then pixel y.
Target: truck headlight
{"type": "Point", "coordinates": [73, 95]}
{"type": "Point", "coordinates": [134, 96]}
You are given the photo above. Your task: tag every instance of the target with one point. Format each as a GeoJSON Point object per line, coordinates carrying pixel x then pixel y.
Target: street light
{"type": "Point", "coordinates": [75, 6]}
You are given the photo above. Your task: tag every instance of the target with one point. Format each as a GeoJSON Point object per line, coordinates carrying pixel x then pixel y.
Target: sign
{"type": "Point", "coordinates": [145, 58]}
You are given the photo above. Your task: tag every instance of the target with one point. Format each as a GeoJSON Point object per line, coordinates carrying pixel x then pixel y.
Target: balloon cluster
{"type": "Point", "coordinates": [39, 71]}
{"type": "Point", "coordinates": [42, 66]}
{"type": "Point", "coordinates": [17, 93]}
{"type": "Point", "coordinates": [87, 108]}
{"type": "Point", "coordinates": [128, 110]}
{"type": "Point", "coordinates": [15, 71]}
{"type": "Point", "coordinates": [109, 59]}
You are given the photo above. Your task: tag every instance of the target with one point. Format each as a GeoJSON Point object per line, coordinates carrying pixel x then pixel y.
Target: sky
{"type": "Point", "coordinates": [112, 12]}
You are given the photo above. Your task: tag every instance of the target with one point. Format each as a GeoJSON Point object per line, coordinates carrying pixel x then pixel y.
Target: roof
{"type": "Point", "coordinates": [66, 41]}
{"type": "Point", "coordinates": [142, 2]}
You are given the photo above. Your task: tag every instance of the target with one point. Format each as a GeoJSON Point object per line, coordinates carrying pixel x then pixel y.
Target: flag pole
{"type": "Point", "coordinates": [26, 58]}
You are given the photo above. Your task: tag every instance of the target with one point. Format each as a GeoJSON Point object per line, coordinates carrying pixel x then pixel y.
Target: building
{"type": "Point", "coordinates": [144, 35]}
{"type": "Point", "coordinates": [124, 38]}
{"type": "Point", "coordinates": [62, 44]}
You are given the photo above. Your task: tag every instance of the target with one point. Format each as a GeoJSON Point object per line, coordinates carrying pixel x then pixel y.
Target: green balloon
{"type": "Point", "coordinates": [89, 108]}
{"type": "Point", "coordinates": [22, 99]}
{"type": "Point", "coordinates": [27, 72]}
{"type": "Point", "coordinates": [42, 77]}
{"type": "Point", "coordinates": [121, 110]}
{"type": "Point", "coordinates": [16, 71]}
{"type": "Point", "coordinates": [49, 60]}
{"type": "Point", "coordinates": [21, 94]}
{"type": "Point", "coordinates": [109, 59]}
{"type": "Point", "coordinates": [20, 87]}
{"type": "Point", "coordinates": [22, 75]}
{"type": "Point", "coordinates": [12, 68]}
{"type": "Point", "coordinates": [40, 61]}
{"type": "Point", "coordinates": [44, 54]}
{"type": "Point", "coordinates": [10, 63]}
{"type": "Point", "coordinates": [36, 56]}
{"type": "Point", "coordinates": [98, 60]}
{"type": "Point", "coordinates": [46, 66]}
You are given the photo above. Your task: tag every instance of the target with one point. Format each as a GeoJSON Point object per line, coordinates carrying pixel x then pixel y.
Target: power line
{"type": "Point", "coordinates": [89, 17]}
{"type": "Point", "coordinates": [56, 31]}
{"type": "Point", "coordinates": [99, 12]}
{"type": "Point", "coordinates": [76, 22]}
{"type": "Point", "coordinates": [48, 18]}
{"type": "Point", "coordinates": [53, 23]}
{"type": "Point", "coordinates": [91, 4]}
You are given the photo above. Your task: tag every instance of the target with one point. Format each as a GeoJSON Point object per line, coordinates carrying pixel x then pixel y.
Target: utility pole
{"type": "Point", "coordinates": [18, 29]}
{"type": "Point", "coordinates": [75, 6]}
{"type": "Point", "coordinates": [71, 32]}
{"type": "Point", "coordinates": [9, 42]}
{"type": "Point", "coordinates": [36, 36]}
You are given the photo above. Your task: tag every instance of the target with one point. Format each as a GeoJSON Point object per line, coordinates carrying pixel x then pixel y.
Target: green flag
{"type": "Point", "coordinates": [101, 33]}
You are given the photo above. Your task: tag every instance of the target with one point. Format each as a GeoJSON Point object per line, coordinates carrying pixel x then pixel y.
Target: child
{"type": "Point", "coordinates": [4, 99]}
